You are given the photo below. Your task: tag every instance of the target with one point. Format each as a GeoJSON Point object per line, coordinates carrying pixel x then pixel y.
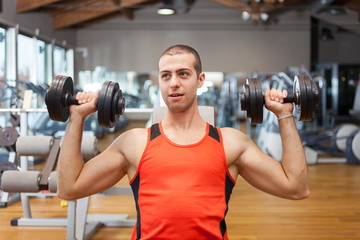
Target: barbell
{"type": "Point", "coordinates": [305, 96]}
{"type": "Point", "coordinates": [60, 95]}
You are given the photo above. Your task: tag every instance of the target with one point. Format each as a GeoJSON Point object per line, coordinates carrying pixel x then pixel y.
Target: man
{"type": "Point", "coordinates": [182, 170]}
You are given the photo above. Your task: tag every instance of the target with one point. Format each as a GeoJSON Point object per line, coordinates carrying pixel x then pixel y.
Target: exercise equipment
{"type": "Point", "coordinates": [305, 97]}
{"type": "Point", "coordinates": [80, 224]}
{"type": "Point", "coordinates": [59, 97]}
{"type": "Point", "coordinates": [330, 141]}
{"type": "Point", "coordinates": [8, 137]}
{"type": "Point", "coordinates": [353, 148]}
{"type": "Point", "coordinates": [9, 198]}
{"type": "Point", "coordinates": [343, 142]}
{"type": "Point", "coordinates": [5, 166]}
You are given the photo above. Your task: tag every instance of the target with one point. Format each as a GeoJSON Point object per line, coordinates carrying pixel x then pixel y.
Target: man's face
{"type": "Point", "coordinates": [178, 81]}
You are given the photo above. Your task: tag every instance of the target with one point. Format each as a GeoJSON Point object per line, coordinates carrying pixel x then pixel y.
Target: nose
{"type": "Point", "coordinates": [175, 82]}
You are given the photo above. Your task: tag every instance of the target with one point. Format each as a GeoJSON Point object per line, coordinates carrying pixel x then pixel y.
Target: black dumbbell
{"type": "Point", "coordinates": [60, 95]}
{"type": "Point", "coordinates": [305, 96]}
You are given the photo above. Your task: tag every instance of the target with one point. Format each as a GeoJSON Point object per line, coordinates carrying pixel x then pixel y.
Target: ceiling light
{"type": "Point", "coordinates": [245, 15]}
{"type": "Point", "coordinates": [264, 17]}
{"type": "Point", "coordinates": [166, 9]}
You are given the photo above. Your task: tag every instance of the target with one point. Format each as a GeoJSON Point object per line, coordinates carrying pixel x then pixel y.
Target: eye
{"type": "Point", "coordinates": [184, 74]}
{"type": "Point", "coordinates": [165, 76]}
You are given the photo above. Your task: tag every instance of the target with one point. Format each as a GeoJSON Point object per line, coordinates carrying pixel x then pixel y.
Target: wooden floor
{"type": "Point", "coordinates": [331, 212]}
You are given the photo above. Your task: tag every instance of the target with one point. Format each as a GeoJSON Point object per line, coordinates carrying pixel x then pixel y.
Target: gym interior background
{"type": "Point", "coordinates": [121, 41]}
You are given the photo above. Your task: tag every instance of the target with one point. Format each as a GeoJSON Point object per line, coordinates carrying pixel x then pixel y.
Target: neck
{"type": "Point", "coordinates": [185, 120]}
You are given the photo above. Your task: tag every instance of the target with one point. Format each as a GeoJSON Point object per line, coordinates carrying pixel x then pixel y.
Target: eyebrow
{"type": "Point", "coordinates": [179, 70]}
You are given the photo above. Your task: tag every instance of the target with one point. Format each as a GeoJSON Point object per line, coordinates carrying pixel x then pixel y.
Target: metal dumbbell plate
{"type": "Point", "coordinates": [306, 99]}
{"type": "Point", "coordinates": [307, 94]}
{"type": "Point", "coordinates": [252, 100]}
{"type": "Point", "coordinates": [107, 116]}
{"type": "Point", "coordinates": [54, 98]}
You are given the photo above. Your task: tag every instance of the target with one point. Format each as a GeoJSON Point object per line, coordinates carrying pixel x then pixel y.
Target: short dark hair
{"type": "Point", "coordinates": [181, 49]}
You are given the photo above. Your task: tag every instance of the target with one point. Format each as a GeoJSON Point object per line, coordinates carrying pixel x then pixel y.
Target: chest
{"type": "Point", "coordinates": [165, 165]}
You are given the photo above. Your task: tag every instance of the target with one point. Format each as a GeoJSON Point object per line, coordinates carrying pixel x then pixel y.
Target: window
{"type": "Point", "coordinates": [41, 61]}
{"type": "Point", "coordinates": [59, 61]}
{"type": "Point", "coordinates": [2, 67]}
{"type": "Point", "coordinates": [25, 58]}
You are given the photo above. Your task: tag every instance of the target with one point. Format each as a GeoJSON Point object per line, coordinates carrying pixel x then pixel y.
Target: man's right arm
{"type": "Point", "coordinates": [76, 179]}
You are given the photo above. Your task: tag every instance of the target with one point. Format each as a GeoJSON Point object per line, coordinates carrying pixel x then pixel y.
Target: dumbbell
{"type": "Point", "coordinates": [305, 96]}
{"type": "Point", "coordinates": [60, 95]}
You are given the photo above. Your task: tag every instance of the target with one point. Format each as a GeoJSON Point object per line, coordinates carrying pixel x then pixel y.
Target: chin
{"type": "Point", "coordinates": [176, 109]}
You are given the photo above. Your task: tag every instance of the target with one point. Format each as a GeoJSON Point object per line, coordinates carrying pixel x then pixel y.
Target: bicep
{"type": "Point", "coordinates": [101, 172]}
{"type": "Point", "coordinates": [262, 171]}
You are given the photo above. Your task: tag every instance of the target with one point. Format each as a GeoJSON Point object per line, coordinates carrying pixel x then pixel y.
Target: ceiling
{"type": "Point", "coordinates": [84, 13]}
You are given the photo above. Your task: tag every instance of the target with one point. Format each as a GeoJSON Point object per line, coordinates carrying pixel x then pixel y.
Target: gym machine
{"type": "Point", "coordinates": [80, 225]}
{"type": "Point", "coordinates": [343, 143]}
{"type": "Point", "coordinates": [8, 137]}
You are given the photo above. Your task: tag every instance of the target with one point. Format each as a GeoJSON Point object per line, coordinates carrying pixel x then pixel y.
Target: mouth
{"type": "Point", "coordinates": [176, 95]}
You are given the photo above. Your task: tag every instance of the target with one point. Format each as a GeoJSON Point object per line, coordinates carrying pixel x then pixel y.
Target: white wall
{"type": "Point", "coordinates": [221, 50]}
{"type": "Point", "coordinates": [225, 42]}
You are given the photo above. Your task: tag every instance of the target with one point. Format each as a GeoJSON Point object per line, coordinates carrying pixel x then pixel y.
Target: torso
{"type": "Point", "coordinates": [179, 182]}
{"type": "Point", "coordinates": [139, 136]}
{"type": "Point", "coordinates": [134, 152]}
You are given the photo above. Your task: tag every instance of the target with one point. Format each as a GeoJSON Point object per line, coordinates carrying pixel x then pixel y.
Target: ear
{"type": "Point", "coordinates": [201, 79]}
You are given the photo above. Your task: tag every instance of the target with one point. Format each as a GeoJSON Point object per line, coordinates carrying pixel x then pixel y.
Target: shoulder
{"type": "Point", "coordinates": [130, 144]}
{"type": "Point", "coordinates": [235, 143]}
{"type": "Point", "coordinates": [133, 136]}
{"type": "Point", "coordinates": [232, 134]}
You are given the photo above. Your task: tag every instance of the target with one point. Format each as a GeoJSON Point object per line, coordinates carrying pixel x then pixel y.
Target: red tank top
{"type": "Point", "coordinates": [182, 191]}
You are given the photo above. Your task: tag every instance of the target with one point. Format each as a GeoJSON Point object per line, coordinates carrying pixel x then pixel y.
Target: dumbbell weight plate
{"type": "Point", "coordinates": [259, 103]}
{"type": "Point", "coordinates": [252, 100]}
{"type": "Point", "coordinates": [118, 105]}
{"type": "Point", "coordinates": [301, 106]}
{"type": "Point", "coordinates": [105, 108]}
{"type": "Point", "coordinates": [54, 99]}
{"type": "Point", "coordinates": [315, 97]}
{"type": "Point", "coordinates": [309, 99]}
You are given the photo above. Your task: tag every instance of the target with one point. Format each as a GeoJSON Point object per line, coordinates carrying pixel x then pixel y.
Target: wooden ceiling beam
{"type": "Point", "coordinates": [89, 10]}
{"type": "Point", "coordinates": [232, 3]}
{"type": "Point", "coordinates": [28, 5]}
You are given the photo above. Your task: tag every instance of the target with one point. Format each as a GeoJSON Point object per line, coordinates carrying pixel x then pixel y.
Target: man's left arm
{"type": "Point", "coordinates": [288, 178]}
{"type": "Point", "coordinates": [293, 158]}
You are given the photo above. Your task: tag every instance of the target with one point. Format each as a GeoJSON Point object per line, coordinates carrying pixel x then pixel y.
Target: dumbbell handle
{"type": "Point", "coordinates": [291, 98]}
{"type": "Point", "coordinates": [70, 100]}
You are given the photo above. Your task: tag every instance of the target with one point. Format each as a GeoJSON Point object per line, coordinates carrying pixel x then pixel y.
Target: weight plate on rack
{"type": "Point", "coordinates": [8, 136]}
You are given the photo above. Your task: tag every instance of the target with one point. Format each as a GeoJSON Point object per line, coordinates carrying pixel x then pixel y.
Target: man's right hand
{"type": "Point", "coordinates": [88, 104]}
